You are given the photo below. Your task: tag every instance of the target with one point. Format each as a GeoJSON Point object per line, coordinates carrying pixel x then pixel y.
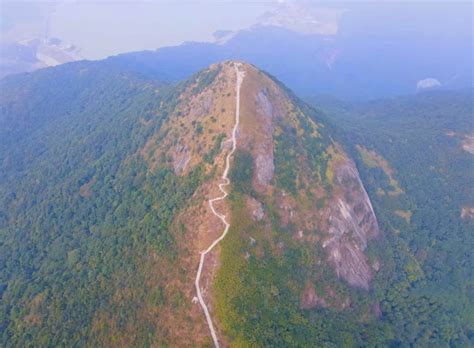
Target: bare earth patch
{"type": "Point", "coordinates": [372, 160]}
{"type": "Point", "coordinates": [468, 143]}
{"type": "Point", "coordinates": [467, 212]}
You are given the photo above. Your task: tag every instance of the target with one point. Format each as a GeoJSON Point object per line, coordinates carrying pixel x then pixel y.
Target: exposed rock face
{"type": "Point", "coordinates": [376, 310]}
{"type": "Point", "coordinates": [352, 223]}
{"type": "Point", "coordinates": [286, 208]}
{"type": "Point", "coordinates": [428, 83]}
{"type": "Point", "coordinates": [467, 212]}
{"type": "Point", "coordinates": [468, 143]}
{"type": "Point", "coordinates": [181, 158]}
{"type": "Point", "coordinates": [264, 165]}
{"type": "Point", "coordinates": [309, 299]}
{"type": "Point", "coordinates": [256, 208]}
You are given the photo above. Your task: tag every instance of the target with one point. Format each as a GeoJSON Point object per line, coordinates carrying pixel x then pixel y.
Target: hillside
{"type": "Point", "coordinates": [112, 187]}
{"type": "Point", "coordinates": [281, 218]}
{"type": "Point", "coordinates": [415, 157]}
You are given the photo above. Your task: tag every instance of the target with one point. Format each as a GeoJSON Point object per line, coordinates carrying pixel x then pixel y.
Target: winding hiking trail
{"type": "Point", "coordinates": [240, 77]}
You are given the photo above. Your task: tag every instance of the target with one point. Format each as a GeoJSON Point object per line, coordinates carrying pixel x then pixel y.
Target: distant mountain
{"type": "Point", "coordinates": [112, 195]}
{"type": "Point", "coordinates": [348, 65]}
{"type": "Point", "coordinates": [348, 51]}
{"type": "Point", "coordinates": [33, 54]}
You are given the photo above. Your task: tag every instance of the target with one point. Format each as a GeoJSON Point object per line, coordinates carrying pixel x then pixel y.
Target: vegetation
{"type": "Point", "coordinates": [88, 240]}
{"type": "Point", "coordinates": [210, 156]}
{"type": "Point", "coordinates": [423, 294]}
{"type": "Point", "coordinates": [264, 269]}
{"type": "Point", "coordinates": [426, 284]}
{"type": "Point", "coordinates": [84, 224]}
{"type": "Point", "coordinates": [242, 172]}
{"type": "Point", "coordinates": [204, 79]}
{"type": "Point", "coordinates": [286, 160]}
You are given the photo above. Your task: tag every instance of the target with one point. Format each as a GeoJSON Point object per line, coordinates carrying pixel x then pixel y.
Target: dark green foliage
{"type": "Point", "coordinates": [204, 79]}
{"type": "Point", "coordinates": [242, 172]}
{"type": "Point", "coordinates": [426, 285]}
{"type": "Point", "coordinates": [199, 128]}
{"type": "Point", "coordinates": [79, 209]}
{"type": "Point", "coordinates": [209, 157]}
{"type": "Point", "coordinates": [286, 160]}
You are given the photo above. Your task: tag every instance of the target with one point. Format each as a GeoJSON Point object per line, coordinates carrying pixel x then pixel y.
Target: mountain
{"type": "Point", "coordinates": [137, 212]}
{"type": "Point", "coordinates": [102, 229]}
{"type": "Point", "coordinates": [348, 51]}
{"type": "Point", "coordinates": [296, 201]}
{"type": "Point", "coordinates": [35, 53]}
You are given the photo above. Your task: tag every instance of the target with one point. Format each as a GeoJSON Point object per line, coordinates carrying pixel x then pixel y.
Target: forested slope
{"type": "Point", "coordinates": [78, 230]}
{"type": "Point", "coordinates": [415, 158]}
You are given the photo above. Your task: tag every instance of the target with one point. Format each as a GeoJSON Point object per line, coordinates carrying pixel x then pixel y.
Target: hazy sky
{"type": "Point", "coordinates": [147, 25]}
{"type": "Point", "coordinates": [107, 27]}
{"type": "Point", "coordinates": [102, 28]}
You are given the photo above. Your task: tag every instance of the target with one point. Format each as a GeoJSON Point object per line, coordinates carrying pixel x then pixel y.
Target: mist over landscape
{"type": "Point", "coordinates": [355, 49]}
{"type": "Point", "coordinates": [236, 173]}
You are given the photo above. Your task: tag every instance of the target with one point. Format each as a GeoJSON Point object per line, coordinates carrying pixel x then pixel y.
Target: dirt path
{"type": "Point", "coordinates": [240, 77]}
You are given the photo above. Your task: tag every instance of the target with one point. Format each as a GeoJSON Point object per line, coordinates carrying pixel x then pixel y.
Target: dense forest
{"type": "Point", "coordinates": [419, 176]}
{"type": "Point", "coordinates": [78, 213]}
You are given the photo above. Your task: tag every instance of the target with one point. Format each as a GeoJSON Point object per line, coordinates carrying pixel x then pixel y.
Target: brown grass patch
{"type": "Point", "coordinates": [404, 214]}
{"type": "Point", "coordinates": [373, 160]}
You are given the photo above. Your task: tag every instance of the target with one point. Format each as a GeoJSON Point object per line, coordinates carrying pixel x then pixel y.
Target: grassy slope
{"type": "Point", "coordinates": [259, 284]}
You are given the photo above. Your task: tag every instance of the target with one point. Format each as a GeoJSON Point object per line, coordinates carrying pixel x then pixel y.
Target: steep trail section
{"type": "Point", "coordinates": [239, 77]}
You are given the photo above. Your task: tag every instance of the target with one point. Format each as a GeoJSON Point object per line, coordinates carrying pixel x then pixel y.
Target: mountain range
{"type": "Point", "coordinates": [349, 51]}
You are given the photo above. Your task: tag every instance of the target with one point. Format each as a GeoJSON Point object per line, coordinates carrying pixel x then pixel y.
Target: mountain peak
{"type": "Point", "coordinates": [292, 186]}
{"type": "Point", "coordinates": [226, 180]}
{"type": "Point", "coordinates": [292, 155]}
{"type": "Point", "coordinates": [203, 115]}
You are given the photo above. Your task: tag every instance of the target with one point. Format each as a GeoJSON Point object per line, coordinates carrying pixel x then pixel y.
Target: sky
{"type": "Point", "coordinates": [108, 27]}
{"type": "Point", "coordinates": [147, 25]}
{"type": "Point", "coordinates": [102, 28]}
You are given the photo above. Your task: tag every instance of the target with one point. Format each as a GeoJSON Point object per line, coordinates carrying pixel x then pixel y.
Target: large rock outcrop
{"type": "Point", "coordinates": [352, 223]}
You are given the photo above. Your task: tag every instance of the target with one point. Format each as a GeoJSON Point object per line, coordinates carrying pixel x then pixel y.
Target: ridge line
{"type": "Point", "coordinates": [240, 76]}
